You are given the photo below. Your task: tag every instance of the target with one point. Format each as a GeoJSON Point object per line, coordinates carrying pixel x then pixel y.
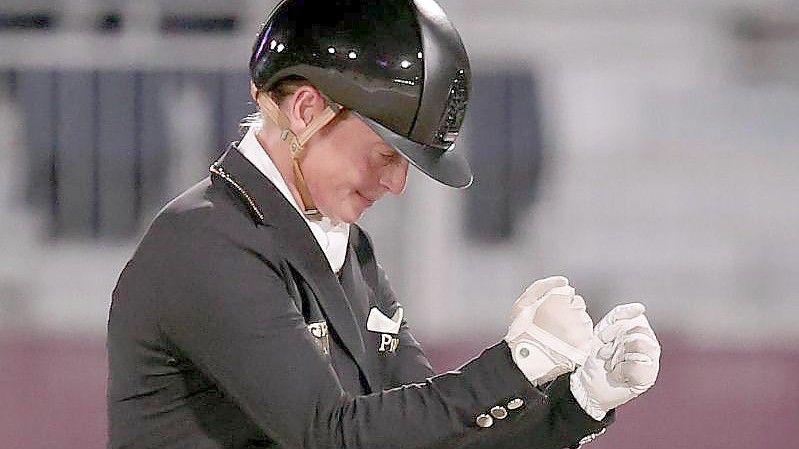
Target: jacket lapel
{"type": "Point", "coordinates": [362, 300]}
{"type": "Point", "coordinates": [267, 206]}
{"type": "Point", "coordinates": [355, 287]}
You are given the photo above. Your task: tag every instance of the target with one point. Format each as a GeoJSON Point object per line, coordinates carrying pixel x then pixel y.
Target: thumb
{"type": "Point", "coordinates": [620, 312]}
{"type": "Point", "coordinates": [537, 290]}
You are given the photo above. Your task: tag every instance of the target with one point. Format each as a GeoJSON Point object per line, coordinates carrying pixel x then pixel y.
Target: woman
{"type": "Point", "coordinates": [254, 314]}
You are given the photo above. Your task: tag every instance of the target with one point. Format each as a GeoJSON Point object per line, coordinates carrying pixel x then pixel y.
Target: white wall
{"type": "Point", "coordinates": [672, 177]}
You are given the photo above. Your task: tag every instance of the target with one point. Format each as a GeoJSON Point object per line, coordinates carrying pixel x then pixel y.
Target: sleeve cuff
{"type": "Point", "coordinates": [582, 397]}
{"type": "Point", "coordinates": [577, 424]}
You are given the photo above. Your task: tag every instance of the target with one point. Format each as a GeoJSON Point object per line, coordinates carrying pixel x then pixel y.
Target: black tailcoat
{"type": "Point", "coordinates": [209, 343]}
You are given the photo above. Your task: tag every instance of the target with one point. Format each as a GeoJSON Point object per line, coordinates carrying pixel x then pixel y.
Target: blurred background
{"type": "Point", "coordinates": [647, 150]}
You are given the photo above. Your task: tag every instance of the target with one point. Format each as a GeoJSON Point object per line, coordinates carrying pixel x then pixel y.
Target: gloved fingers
{"type": "Point", "coordinates": [642, 329]}
{"type": "Point", "coordinates": [537, 290]}
{"type": "Point", "coordinates": [622, 327]}
{"type": "Point", "coordinates": [578, 303]}
{"type": "Point", "coordinates": [541, 286]}
{"type": "Point", "coordinates": [606, 351]}
{"type": "Point", "coordinates": [586, 325]}
{"type": "Point", "coordinates": [641, 343]}
{"type": "Point", "coordinates": [637, 370]}
{"type": "Point", "coordinates": [554, 306]}
{"type": "Point", "coordinates": [565, 292]}
{"type": "Point", "coordinates": [633, 344]}
{"type": "Point", "coordinates": [557, 316]}
{"type": "Point", "coordinates": [620, 312]}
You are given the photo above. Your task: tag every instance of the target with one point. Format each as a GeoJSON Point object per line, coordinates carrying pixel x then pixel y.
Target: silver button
{"type": "Point", "coordinates": [592, 437]}
{"type": "Point", "coordinates": [524, 352]}
{"type": "Point", "coordinates": [499, 412]}
{"type": "Point", "coordinates": [484, 421]}
{"type": "Point", "coordinates": [515, 403]}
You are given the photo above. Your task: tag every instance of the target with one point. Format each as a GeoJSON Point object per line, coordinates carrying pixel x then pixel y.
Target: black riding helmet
{"type": "Point", "coordinates": [399, 65]}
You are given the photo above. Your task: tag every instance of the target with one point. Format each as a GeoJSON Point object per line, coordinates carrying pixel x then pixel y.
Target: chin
{"type": "Point", "coordinates": [353, 213]}
{"type": "Point", "coordinates": [348, 215]}
{"type": "Point", "coordinates": [351, 217]}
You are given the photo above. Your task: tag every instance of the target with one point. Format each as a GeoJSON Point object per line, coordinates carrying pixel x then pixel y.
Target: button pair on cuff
{"type": "Point", "coordinates": [486, 420]}
{"type": "Point", "coordinates": [588, 438]}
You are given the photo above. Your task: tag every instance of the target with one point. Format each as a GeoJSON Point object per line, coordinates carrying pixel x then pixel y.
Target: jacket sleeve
{"type": "Point", "coordinates": [228, 311]}
{"type": "Point", "coordinates": [567, 421]}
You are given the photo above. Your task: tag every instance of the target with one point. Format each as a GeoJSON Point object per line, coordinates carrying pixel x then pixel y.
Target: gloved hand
{"type": "Point", "coordinates": [623, 362]}
{"type": "Point", "coordinates": [550, 331]}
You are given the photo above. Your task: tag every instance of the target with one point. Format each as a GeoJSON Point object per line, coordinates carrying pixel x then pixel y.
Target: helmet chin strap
{"type": "Point", "coordinates": [297, 143]}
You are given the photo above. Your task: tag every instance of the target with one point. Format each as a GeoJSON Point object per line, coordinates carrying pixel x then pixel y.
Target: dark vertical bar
{"type": "Point", "coordinates": [506, 149]}
{"type": "Point", "coordinates": [116, 143]}
{"type": "Point", "coordinates": [209, 83]}
{"type": "Point", "coordinates": [505, 187]}
{"type": "Point", "coordinates": [12, 82]}
{"type": "Point", "coordinates": [152, 139]}
{"type": "Point", "coordinates": [55, 227]}
{"type": "Point", "coordinates": [236, 103]}
{"type": "Point", "coordinates": [487, 205]}
{"type": "Point", "coordinates": [76, 153]}
{"type": "Point", "coordinates": [34, 93]}
{"type": "Point", "coordinates": [526, 140]}
{"type": "Point", "coordinates": [220, 118]}
{"type": "Point", "coordinates": [96, 127]}
{"type": "Point", "coordinates": [138, 127]}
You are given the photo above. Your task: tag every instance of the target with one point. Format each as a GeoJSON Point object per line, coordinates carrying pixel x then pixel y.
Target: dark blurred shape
{"type": "Point", "coordinates": [10, 77]}
{"type": "Point", "coordinates": [230, 102]}
{"type": "Point", "coordinates": [505, 150]}
{"type": "Point", "coordinates": [81, 151]}
{"type": "Point", "coordinates": [110, 22]}
{"type": "Point", "coordinates": [767, 28]}
{"type": "Point", "coordinates": [27, 21]}
{"type": "Point", "coordinates": [118, 157]}
{"type": "Point", "coordinates": [33, 92]}
{"type": "Point", "coordinates": [768, 47]}
{"type": "Point", "coordinates": [198, 24]}
{"type": "Point", "coordinates": [97, 146]}
{"type": "Point", "coordinates": [76, 153]}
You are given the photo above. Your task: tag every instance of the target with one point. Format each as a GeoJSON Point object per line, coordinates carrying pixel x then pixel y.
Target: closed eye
{"type": "Point", "coordinates": [388, 156]}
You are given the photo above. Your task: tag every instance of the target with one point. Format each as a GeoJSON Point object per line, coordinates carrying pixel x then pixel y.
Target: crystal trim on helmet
{"type": "Point", "coordinates": [455, 111]}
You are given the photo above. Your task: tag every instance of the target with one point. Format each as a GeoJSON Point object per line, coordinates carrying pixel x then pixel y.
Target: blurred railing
{"type": "Point", "coordinates": [98, 143]}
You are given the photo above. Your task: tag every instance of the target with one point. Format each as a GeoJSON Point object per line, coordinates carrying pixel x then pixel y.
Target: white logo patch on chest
{"type": "Point", "coordinates": [388, 328]}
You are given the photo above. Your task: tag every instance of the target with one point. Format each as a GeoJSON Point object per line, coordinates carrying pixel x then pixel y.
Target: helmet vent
{"type": "Point", "coordinates": [454, 112]}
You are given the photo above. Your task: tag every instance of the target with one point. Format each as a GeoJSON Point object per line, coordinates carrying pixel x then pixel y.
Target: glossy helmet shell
{"type": "Point", "coordinates": [399, 65]}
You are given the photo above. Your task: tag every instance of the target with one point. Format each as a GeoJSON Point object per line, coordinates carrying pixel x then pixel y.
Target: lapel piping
{"type": "Point", "coordinates": [255, 211]}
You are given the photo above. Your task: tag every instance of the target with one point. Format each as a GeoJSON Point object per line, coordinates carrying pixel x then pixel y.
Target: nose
{"type": "Point", "coordinates": [394, 176]}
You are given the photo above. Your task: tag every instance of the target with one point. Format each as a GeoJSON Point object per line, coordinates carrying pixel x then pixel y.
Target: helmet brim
{"type": "Point", "coordinates": [448, 167]}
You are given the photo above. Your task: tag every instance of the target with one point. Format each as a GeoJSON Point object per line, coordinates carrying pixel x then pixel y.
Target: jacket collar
{"type": "Point", "coordinates": [267, 206]}
{"type": "Point", "coordinates": [241, 177]}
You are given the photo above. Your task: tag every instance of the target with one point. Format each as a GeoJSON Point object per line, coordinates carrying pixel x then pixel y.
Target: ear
{"type": "Point", "coordinates": [254, 92]}
{"type": "Point", "coordinates": [306, 104]}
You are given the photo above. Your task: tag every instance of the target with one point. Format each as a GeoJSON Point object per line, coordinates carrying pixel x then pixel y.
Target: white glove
{"type": "Point", "coordinates": [623, 362]}
{"type": "Point", "coordinates": [550, 331]}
